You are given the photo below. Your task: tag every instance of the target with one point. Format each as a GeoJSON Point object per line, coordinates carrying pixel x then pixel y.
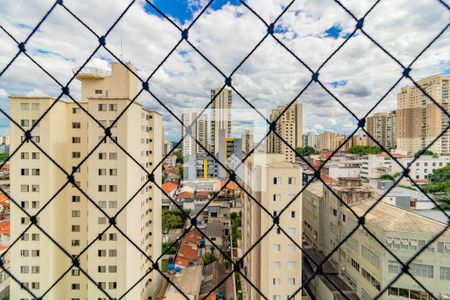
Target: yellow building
{"type": "Point", "coordinates": [108, 177]}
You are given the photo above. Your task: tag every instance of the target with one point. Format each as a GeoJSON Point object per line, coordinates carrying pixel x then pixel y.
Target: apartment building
{"type": "Point", "coordinates": [220, 116]}
{"type": "Point", "coordinates": [247, 142]}
{"type": "Point", "coordinates": [361, 262]}
{"type": "Point", "coordinates": [290, 127]}
{"type": "Point", "coordinates": [423, 166]}
{"type": "Point", "coordinates": [326, 140]}
{"type": "Point", "coordinates": [418, 120]}
{"type": "Point", "coordinates": [381, 126]}
{"type": "Point", "coordinates": [367, 267]}
{"type": "Point", "coordinates": [199, 131]}
{"type": "Point", "coordinates": [275, 264]}
{"type": "Point", "coordinates": [108, 177]}
{"type": "Point", "coordinates": [4, 139]}
{"type": "Point", "coordinates": [310, 140]}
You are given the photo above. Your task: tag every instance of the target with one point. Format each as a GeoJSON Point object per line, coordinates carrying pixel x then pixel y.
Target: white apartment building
{"type": "Point", "coordinates": [199, 131]}
{"type": "Point", "coordinates": [108, 177]}
{"type": "Point", "coordinates": [220, 116]}
{"type": "Point", "coordinates": [424, 166]}
{"type": "Point", "coordinates": [275, 265]}
{"type": "Point", "coordinates": [310, 140]}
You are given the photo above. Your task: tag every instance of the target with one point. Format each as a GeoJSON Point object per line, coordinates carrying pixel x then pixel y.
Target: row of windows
{"type": "Point", "coordinates": [111, 188]}
{"type": "Point", "coordinates": [26, 155]}
{"type": "Point", "coordinates": [36, 139]}
{"type": "Point", "coordinates": [26, 123]}
{"type": "Point", "coordinates": [26, 237]}
{"type": "Point", "coordinates": [409, 294]}
{"type": "Point", "coordinates": [26, 106]}
{"type": "Point", "coordinates": [277, 247]}
{"type": "Point", "coordinates": [111, 269]}
{"type": "Point", "coordinates": [277, 265]}
{"type": "Point", "coordinates": [104, 155]}
{"type": "Point", "coordinates": [34, 172]}
{"type": "Point", "coordinates": [277, 281]}
{"type": "Point", "coordinates": [277, 180]}
{"type": "Point", "coordinates": [107, 107]}
{"type": "Point", "coordinates": [26, 204]}
{"type": "Point", "coordinates": [26, 188]}
{"type": "Point", "coordinates": [26, 253]}
{"type": "Point", "coordinates": [418, 270]}
{"type": "Point", "coordinates": [26, 269]}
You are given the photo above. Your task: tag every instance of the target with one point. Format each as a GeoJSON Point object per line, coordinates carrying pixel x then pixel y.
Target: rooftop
{"type": "Point", "coordinates": [391, 218]}
{"type": "Point", "coordinates": [169, 187]}
{"type": "Point", "coordinates": [316, 188]}
{"type": "Point", "coordinates": [188, 281]}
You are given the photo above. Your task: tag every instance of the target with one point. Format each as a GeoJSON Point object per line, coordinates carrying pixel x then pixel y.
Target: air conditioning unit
{"type": "Point", "coordinates": [445, 297]}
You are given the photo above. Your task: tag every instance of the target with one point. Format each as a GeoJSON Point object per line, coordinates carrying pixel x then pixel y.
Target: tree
{"type": "Point", "coordinates": [426, 152]}
{"type": "Point", "coordinates": [305, 151]}
{"type": "Point", "coordinates": [208, 258]}
{"type": "Point", "coordinates": [4, 156]}
{"type": "Point", "coordinates": [387, 177]}
{"type": "Point", "coordinates": [171, 219]}
{"type": "Point", "coordinates": [439, 186]}
{"type": "Point", "coordinates": [179, 156]}
{"type": "Point", "coordinates": [364, 150]}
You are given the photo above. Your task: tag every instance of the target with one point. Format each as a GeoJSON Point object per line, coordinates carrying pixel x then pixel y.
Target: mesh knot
{"type": "Point", "coordinates": [151, 177]}
{"type": "Point", "coordinates": [315, 77]}
{"type": "Point", "coordinates": [65, 90]}
{"type": "Point", "coordinates": [276, 220]}
{"type": "Point", "coordinates": [1, 261]}
{"type": "Point", "coordinates": [362, 123]}
{"type": "Point", "coordinates": [71, 179]}
{"type": "Point", "coordinates": [406, 172]}
{"type": "Point", "coordinates": [60, 2]}
{"type": "Point", "coordinates": [270, 29]}
{"type": "Point", "coordinates": [360, 23]}
{"type": "Point", "coordinates": [232, 176]}
{"type": "Point", "coordinates": [228, 81]}
{"type": "Point", "coordinates": [273, 126]}
{"type": "Point", "coordinates": [28, 135]}
{"type": "Point", "coordinates": [185, 34]}
{"type": "Point", "coordinates": [361, 220]}
{"type": "Point", "coordinates": [317, 174]}
{"type": "Point", "coordinates": [155, 266]}
{"type": "Point", "coordinates": [108, 131]}
{"type": "Point", "coordinates": [33, 220]}
{"type": "Point", "coordinates": [145, 86]}
{"type": "Point", "coordinates": [112, 221]}
{"type": "Point", "coordinates": [76, 262]}
{"type": "Point", "coordinates": [194, 221]}
{"type": "Point", "coordinates": [405, 269]}
{"type": "Point", "coordinates": [406, 72]}
{"type": "Point", "coordinates": [22, 47]}
{"type": "Point", "coordinates": [102, 41]}
{"type": "Point", "coordinates": [236, 267]}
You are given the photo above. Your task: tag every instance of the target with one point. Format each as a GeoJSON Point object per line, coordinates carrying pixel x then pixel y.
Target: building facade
{"type": "Point", "coordinates": [310, 140]}
{"type": "Point", "coordinates": [220, 116]}
{"type": "Point", "coordinates": [290, 127]}
{"type": "Point", "coordinates": [275, 265]}
{"type": "Point", "coordinates": [109, 177]}
{"type": "Point", "coordinates": [199, 133]}
{"type": "Point", "coordinates": [418, 120]}
{"type": "Point", "coordinates": [381, 126]}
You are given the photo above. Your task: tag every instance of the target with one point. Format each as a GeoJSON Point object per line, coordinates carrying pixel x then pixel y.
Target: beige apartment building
{"type": "Point", "coordinates": [326, 140]}
{"type": "Point", "coordinates": [290, 127]}
{"type": "Point", "coordinates": [247, 142]}
{"type": "Point", "coordinates": [108, 177]}
{"type": "Point", "coordinates": [220, 116]}
{"type": "Point", "coordinates": [381, 126]}
{"type": "Point", "coordinates": [418, 120]}
{"type": "Point", "coordinates": [275, 264]}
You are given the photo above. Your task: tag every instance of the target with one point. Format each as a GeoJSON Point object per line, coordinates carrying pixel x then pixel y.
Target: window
{"type": "Point", "coordinates": [112, 155]}
{"type": "Point", "coordinates": [75, 286]}
{"type": "Point", "coordinates": [76, 110]}
{"type": "Point", "coordinates": [276, 247]}
{"type": "Point", "coordinates": [420, 270]}
{"type": "Point", "coordinates": [35, 172]}
{"type": "Point", "coordinates": [34, 204]}
{"type": "Point", "coordinates": [113, 107]}
{"type": "Point", "coordinates": [291, 265]}
{"type": "Point", "coordinates": [101, 172]}
{"type": "Point", "coordinates": [76, 125]}
{"type": "Point", "coordinates": [112, 285]}
{"type": "Point", "coordinates": [24, 155]}
{"type": "Point", "coordinates": [291, 231]}
{"type": "Point", "coordinates": [76, 228]}
{"type": "Point", "coordinates": [355, 264]}
{"type": "Point", "coordinates": [35, 269]}
{"type": "Point", "coordinates": [102, 107]}
{"type": "Point", "coordinates": [292, 214]}
{"type": "Point", "coordinates": [113, 253]}
{"type": "Point", "coordinates": [35, 253]}
{"type": "Point", "coordinates": [291, 281]}
{"type": "Point", "coordinates": [276, 281]}
{"type": "Point", "coordinates": [35, 237]}
{"type": "Point", "coordinates": [291, 180]}
{"type": "Point", "coordinates": [101, 269]}
{"type": "Point", "coordinates": [112, 269]}
{"type": "Point", "coordinates": [35, 106]}
{"type": "Point", "coordinates": [24, 106]}
{"type": "Point", "coordinates": [33, 122]}
{"type": "Point", "coordinates": [276, 297]}
{"type": "Point", "coordinates": [112, 172]}
{"type": "Point", "coordinates": [24, 269]}
{"type": "Point", "coordinates": [102, 155]}
{"type": "Point", "coordinates": [24, 253]}
{"type": "Point", "coordinates": [101, 253]}
{"type": "Point", "coordinates": [24, 188]}
{"type": "Point", "coordinates": [276, 197]}
{"type": "Point", "coordinates": [24, 123]}
{"type": "Point", "coordinates": [113, 188]}
{"type": "Point", "coordinates": [24, 172]}
{"type": "Point", "coordinates": [98, 92]}
{"type": "Point", "coordinates": [35, 188]}
{"type": "Point", "coordinates": [112, 204]}
{"type": "Point", "coordinates": [35, 155]}
{"type": "Point", "coordinates": [368, 254]}
{"type": "Point", "coordinates": [76, 154]}
{"type": "Point", "coordinates": [102, 220]}
{"type": "Point", "coordinates": [75, 272]}
{"type": "Point", "coordinates": [113, 236]}
{"type": "Point", "coordinates": [76, 214]}
{"type": "Point", "coordinates": [444, 273]}
{"type": "Point", "coordinates": [75, 198]}
{"type": "Point", "coordinates": [277, 180]}
{"type": "Point", "coordinates": [76, 140]}
{"type": "Point", "coordinates": [102, 188]}
{"type": "Point", "coordinates": [276, 265]}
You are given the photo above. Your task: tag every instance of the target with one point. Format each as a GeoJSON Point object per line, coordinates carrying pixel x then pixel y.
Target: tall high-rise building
{"type": "Point", "coordinates": [199, 130]}
{"type": "Point", "coordinates": [289, 127]}
{"type": "Point", "coordinates": [418, 120]}
{"type": "Point", "coordinates": [381, 126]}
{"type": "Point", "coordinates": [326, 140]}
{"type": "Point", "coordinates": [275, 265]}
{"type": "Point", "coordinates": [247, 142]}
{"type": "Point", "coordinates": [310, 140]}
{"type": "Point", "coordinates": [220, 116]}
{"type": "Point", "coordinates": [4, 140]}
{"type": "Point", "coordinates": [109, 177]}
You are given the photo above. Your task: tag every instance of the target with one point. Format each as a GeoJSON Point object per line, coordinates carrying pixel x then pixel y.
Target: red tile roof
{"type": "Point", "coordinates": [5, 227]}
{"type": "Point", "coordinates": [185, 195]}
{"type": "Point", "coordinates": [169, 187]}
